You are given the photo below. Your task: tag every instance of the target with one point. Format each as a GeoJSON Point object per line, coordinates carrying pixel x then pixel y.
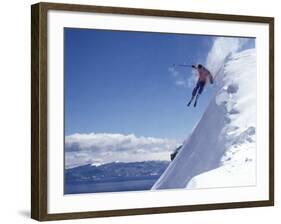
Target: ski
{"type": "Point", "coordinates": [195, 103]}
{"type": "Point", "coordinates": [190, 101]}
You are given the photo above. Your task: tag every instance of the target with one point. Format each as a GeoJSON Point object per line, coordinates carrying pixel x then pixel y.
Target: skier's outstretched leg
{"type": "Point", "coordinates": [195, 102]}
{"type": "Point", "coordinates": [190, 101]}
{"type": "Point", "coordinates": [201, 87]}
{"type": "Point", "coordinates": [193, 93]}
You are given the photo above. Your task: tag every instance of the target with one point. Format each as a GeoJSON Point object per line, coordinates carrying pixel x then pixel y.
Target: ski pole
{"type": "Point", "coordinates": [183, 65]}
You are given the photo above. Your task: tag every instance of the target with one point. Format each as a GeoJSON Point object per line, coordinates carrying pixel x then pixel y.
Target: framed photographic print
{"type": "Point", "coordinates": [141, 111]}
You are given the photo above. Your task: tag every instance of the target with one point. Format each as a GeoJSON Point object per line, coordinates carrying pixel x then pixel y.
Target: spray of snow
{"type": "Point", "coordinates": [222, 48]}
{"type": "Point", "coordinates": [221, 149]}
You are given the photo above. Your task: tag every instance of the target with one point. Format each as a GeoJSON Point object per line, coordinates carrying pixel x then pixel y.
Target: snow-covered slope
{"type": "Point", "coordinates": [220, 152]}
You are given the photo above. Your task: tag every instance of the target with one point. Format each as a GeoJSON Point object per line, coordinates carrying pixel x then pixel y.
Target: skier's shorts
{"type": "Point", "coordinates": [199, 87]}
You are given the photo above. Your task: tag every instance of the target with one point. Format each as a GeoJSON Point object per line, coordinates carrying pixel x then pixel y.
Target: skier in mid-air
{"type": "Point", "coordinates": [203, 75]}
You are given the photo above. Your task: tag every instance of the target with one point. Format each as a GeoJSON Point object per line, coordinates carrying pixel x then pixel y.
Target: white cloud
{"type": "Point", "coordinates": [184, 79]}
{"type": "Point", "coordinates": [173, 71]}
{"type": "Point", "coordinates": [180, 83]}
{"type": "Point", "coordinates": [192, 79]}
{"type": "Point", "coordinates": [98, 148]}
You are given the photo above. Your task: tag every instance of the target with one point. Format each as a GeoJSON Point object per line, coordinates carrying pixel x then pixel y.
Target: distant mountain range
{"type": "Point", "coordinates": [116, 171]}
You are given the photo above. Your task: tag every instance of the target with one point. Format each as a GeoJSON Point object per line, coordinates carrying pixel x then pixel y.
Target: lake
{"type": "Point", "coordinates": [109, 186]}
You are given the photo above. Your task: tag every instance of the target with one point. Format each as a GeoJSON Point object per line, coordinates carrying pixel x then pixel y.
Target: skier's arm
{"type": "Point", "coordinates": [211, 78]}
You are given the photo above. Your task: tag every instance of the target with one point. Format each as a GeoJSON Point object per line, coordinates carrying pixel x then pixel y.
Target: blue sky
{"type": "Point", "coordinates": [119, 82]}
